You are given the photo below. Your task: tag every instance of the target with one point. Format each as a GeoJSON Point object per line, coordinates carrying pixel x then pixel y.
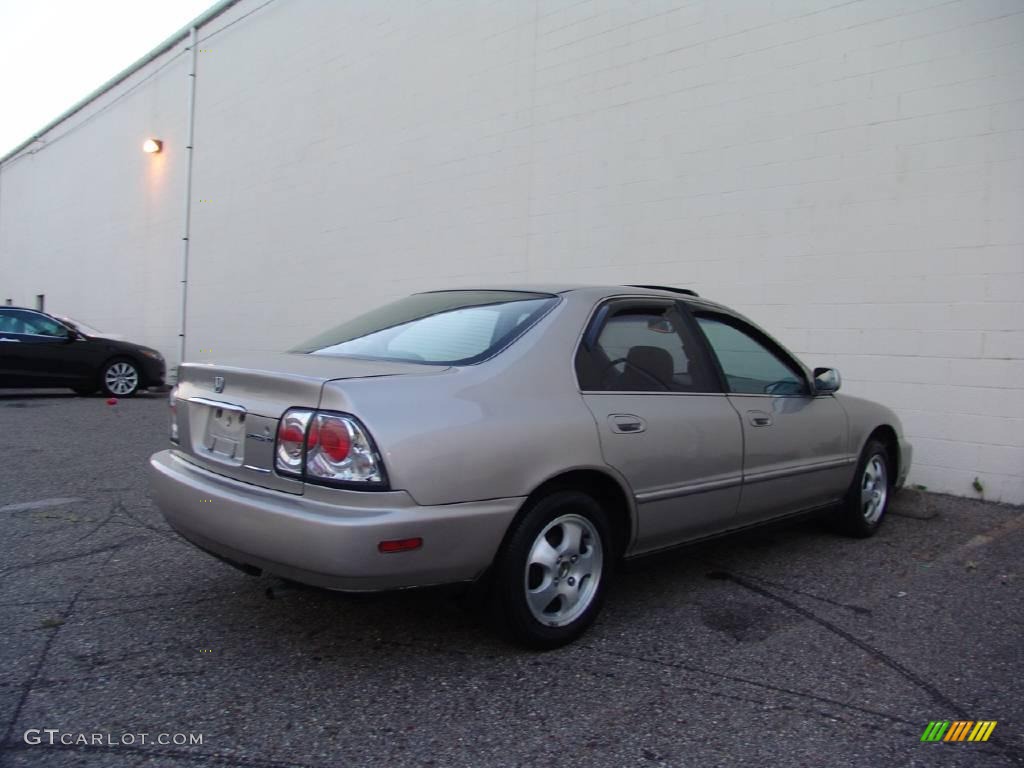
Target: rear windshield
{"type": "Point", "coordinates": [441, 328]}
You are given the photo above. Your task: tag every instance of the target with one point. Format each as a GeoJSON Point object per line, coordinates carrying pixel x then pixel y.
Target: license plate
{"type": "Point", "coordinates": [225, 433]}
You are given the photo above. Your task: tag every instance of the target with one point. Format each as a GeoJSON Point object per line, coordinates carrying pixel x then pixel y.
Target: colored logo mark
{"type": "Point", "coordinates": [958, 730]}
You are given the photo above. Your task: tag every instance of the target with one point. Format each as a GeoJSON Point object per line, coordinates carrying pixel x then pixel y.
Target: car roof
{"type": "Point", "coordinates": [596, 291]}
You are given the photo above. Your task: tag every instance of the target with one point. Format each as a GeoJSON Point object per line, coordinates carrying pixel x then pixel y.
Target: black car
{"type": "Point", "coordinates": [39, 350]}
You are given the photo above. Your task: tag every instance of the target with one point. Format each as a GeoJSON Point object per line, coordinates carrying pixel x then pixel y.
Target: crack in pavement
{"type": "Point", "coordinates": [40, 504]}
{"type": "Point", "coordinates": [908, 674]}
{"type": "Point", "coordinates": [858, 609]}
{"type": "Point", "coordinates": [757, 684]}
{"type": "Point", "coordinates": [54, 561]}
{"type": "Point", "coordinates": [50, 638]}
{"type": "Point", "coordinates": [115, 614]}
{"type": "Point", "coordinates": [937, 695]}
{"type": "Point", "coordinates": [117, 507]}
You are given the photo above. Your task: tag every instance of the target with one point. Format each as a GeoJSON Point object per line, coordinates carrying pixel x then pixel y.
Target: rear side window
{"type": "Point", "coordinates": [9, 323]}
{"type": "Point", "coordinates": [643, 349]}
{"type": "Point", "coordinates": [441, 328]}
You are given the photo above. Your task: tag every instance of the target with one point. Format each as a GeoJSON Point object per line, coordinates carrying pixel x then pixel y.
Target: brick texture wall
{"type": "Point", "coordinates": [850, 174]}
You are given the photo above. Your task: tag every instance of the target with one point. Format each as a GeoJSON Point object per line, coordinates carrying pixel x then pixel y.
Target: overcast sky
{"type": "Point", "coordinates": [55, 52]}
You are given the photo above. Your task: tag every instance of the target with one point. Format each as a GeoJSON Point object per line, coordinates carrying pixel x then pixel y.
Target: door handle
{"type": "Point", "coordinates": [759, 418]}
{"type": "Point", "coordinates": [626, 423]}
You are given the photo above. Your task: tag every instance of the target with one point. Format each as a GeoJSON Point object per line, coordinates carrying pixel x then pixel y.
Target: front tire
{"type": "Point", "coordinates": [867, 500]}
{"type": "Point", "coordinates": [120, 378]}
{"type": "Point", "coordinates": [550, 578]}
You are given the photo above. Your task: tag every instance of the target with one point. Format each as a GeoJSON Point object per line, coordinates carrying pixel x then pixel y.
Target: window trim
{"type": "Point", "coordinates": [599, 316]}
{"type": "Point", "coordinates": [761, 337]}
{"type": "Point", "coordinates": [688, 312]}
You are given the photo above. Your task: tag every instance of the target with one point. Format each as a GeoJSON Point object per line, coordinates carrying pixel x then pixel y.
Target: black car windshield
{"type": "Point", "coordinates": [440, 328]}
{"type": "Point", "coordinates": [78, 325]}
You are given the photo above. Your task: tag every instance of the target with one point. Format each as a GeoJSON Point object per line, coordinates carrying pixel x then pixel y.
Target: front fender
{"type": "Point", "coordinates": [864, 417]}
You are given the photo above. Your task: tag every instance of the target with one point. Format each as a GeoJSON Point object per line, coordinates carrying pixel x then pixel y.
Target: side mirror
{"type": "Point", "coordinates": [826, 380]}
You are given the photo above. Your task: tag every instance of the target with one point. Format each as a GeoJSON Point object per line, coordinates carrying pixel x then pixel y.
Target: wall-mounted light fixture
{"type": "Point", "coordinates": [152, 146]}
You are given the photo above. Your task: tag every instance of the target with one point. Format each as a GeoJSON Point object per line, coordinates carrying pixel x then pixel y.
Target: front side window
{"type": "Point", "coordinates": [643, 348]}
{"type": "Point", "coordinates": [750, 367]}
{"type": "Point", "coordinates": [440, 328]}
{"type": "Point", "coordinates": [33, 324]}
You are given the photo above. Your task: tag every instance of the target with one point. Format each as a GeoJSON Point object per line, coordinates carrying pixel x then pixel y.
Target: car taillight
{"type": "Point", "coordinates": [173, 402]}
{"type": "Point", "coordinates": [339, 450]}
{"type": "Point", "coordinates": [331, 435]}
{"type": "Point", "coordinates": [291, 439]}
{"type": "Point", "coordinates": [328, 448]}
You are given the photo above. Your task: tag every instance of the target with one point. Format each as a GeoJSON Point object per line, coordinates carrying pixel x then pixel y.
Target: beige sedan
{"type": "Point", "coordinates": [522, 440]}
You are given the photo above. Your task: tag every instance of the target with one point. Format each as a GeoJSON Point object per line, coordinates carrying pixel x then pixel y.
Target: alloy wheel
{"type": "Point", "coordinates": [874, 489]}
{"type": "Point", "coordinates": [121, 378]}
{"type": "Point", "coordinates": [563, 570]}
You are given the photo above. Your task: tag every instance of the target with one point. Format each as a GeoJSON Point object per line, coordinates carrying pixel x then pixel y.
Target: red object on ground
{"type": "Point", "coordinates": [111, 401]}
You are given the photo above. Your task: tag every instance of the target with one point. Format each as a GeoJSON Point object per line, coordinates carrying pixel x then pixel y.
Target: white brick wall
{"type": "Point", "coordinates": [94, 224]}
{"type": "Point", "coordinates": [850, 174]}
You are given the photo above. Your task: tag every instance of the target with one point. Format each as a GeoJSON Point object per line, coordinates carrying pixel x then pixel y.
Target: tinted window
{"type": "Point", "coordinates": [446, 327]}
{"type": "Point", "coordinates": [643, 349]}
{"type": "Point", "coordinates": [750, 367]}
{"type": "Point", "coordinates": [9, 323]}
{"type": "Point", "coordinates": [20, 321]}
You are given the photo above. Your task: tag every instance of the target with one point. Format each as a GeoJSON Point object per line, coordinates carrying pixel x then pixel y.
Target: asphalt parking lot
{"type": "Point", "coordinates": [786, 646]}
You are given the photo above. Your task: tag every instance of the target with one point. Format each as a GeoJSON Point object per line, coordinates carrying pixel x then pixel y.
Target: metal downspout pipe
{"type": "Point", "coordinates": [193, 42]}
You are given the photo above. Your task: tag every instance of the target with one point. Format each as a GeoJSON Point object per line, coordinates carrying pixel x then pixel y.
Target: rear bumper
{"type": "Point", "coordinates": [327, 543]}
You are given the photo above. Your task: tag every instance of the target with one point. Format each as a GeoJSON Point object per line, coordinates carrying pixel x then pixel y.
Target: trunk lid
{"type": "Point", "coordinates": [227, 413]}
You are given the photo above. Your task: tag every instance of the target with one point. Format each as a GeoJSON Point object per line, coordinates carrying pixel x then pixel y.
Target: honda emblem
{"type": "Point", "coordinates": [218, 383]}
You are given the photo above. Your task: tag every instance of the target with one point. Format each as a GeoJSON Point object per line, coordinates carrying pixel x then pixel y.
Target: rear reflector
{"type": "Point", "coordinates": [400, 545]}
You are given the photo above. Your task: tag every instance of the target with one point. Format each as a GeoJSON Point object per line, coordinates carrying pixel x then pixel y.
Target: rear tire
{"type": "Point", "coordinates": [550, 578]}
{"type": "Point", "coordinates": [120, 377]}
{"type": "Point", "coordinates": [867, 500]}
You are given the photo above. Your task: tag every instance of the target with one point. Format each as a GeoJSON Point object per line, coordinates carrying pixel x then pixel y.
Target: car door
{"type": "Point", "coordinates": [795, 443]}
{"type": "Point", "coordinates": [43, 353]}
{"type": "Point", "coordinates": [664, 422]}
{"type": "Point", "coordinates": [12, 373]}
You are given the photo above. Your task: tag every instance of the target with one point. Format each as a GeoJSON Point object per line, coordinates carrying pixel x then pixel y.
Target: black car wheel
{"type": "Point", "coordinates": [551, 576]}
{"type": "Point", "coordinates": [867, 500]}
{"type": "Point", "coordinates": [120, 378]}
